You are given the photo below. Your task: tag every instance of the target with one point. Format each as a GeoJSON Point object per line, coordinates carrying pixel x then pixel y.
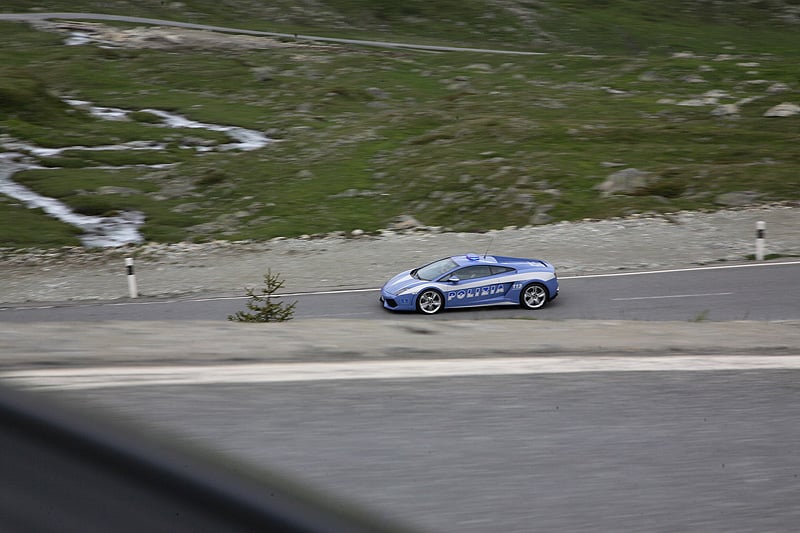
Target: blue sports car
{"type": "Point", "coordinates": [472, 280]}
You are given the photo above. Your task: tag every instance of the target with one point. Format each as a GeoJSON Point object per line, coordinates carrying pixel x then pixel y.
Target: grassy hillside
{"type": "Point", "coordinates": [463, 140]}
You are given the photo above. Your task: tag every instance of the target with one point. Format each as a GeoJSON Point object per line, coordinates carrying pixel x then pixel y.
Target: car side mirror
{"type": "Point", "coordinates": [453, 279]}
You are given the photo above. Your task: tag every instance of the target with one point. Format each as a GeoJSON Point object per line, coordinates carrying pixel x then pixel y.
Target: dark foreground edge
{"type": "Point", "coordinates": [65, 471]}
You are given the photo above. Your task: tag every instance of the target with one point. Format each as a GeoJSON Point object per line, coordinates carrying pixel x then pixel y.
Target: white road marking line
{"type": "Point", "coordinates": [670, 271]}
{"type": "Point", "coordinates": [338, 315]}
{"type": "Point", "coordinates": [671, 296]}
{"type": "Point", "coordinates": [24, 308]}
{"type": "Point", "coordinates": [338, 291]}
{"type": "Point", "coordinates": [140, 376]}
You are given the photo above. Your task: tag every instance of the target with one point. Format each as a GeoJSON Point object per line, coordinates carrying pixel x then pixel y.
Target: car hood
{"type": "Point", "coordinates": [404, 280]}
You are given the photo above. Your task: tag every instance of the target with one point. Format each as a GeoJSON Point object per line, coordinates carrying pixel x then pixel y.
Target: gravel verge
{"type": "Point", "coordinates": [109, 344]}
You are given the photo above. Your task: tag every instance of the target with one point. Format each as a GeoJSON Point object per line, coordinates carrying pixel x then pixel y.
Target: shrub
{"type": "Point", "coordinates": [262, 306]}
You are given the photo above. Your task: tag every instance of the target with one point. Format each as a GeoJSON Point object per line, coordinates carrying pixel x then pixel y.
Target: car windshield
{"type": "Point", "coordinates": [436, 269]}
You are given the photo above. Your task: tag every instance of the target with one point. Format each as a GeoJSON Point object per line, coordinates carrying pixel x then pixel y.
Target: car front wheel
{"type": "Point", "coordinates": [430, 301]}
{"type": "Point", "coordinates": [533, 296]}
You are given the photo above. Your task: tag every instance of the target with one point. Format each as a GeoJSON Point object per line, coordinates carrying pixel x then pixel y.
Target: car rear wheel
{"type": "Point", "coordinates": [533, 296]}
{"type": "Point", "coordinates": [430, 301]}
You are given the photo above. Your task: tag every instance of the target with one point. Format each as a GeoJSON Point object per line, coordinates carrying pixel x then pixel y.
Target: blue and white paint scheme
{"type": "Point", "coordinates": [472, 280]}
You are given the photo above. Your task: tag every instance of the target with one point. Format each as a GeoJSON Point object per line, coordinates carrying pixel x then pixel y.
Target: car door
{"type": "Point", "coordinates": [468, 286]}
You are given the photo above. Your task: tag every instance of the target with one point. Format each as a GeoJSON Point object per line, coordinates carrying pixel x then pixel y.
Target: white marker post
{"type": "Point", "coordinates": [761, 228]}
{"type": "Point", "coordinates": [132, 290]}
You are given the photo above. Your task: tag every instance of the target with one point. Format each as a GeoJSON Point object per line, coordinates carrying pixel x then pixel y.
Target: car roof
{"type": "Point", "coordinates": [474, 259]}
{"type": "Point", "coordinates": [477, 259]}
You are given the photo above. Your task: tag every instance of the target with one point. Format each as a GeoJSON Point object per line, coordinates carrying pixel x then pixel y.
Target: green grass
{"type": "Point", "coordinates": [23, 228]}
{"type": "Point", "coordinates": [771, 257]}
{"type": "Point", "coordinates": [466, 141]}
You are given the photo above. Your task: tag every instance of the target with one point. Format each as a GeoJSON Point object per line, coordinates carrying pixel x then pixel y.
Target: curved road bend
{"type": "Point", "coordinates": [190, 25]}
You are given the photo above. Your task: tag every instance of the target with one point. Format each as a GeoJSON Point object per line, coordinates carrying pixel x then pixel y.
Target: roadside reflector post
{"type": "Point", "coordinates": [761, 228]}
{"type": "Point", "coordinates": [132, 290]}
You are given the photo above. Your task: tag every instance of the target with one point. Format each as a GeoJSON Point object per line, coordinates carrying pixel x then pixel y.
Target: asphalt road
{"type": "Point", "coordinates": [594, 451]}
{"type": "Point", "coordinates": [764, 291]}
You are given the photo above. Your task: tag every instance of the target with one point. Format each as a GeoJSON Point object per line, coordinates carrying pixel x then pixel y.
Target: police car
{"type": "Point", "coordinates": [472, 280]}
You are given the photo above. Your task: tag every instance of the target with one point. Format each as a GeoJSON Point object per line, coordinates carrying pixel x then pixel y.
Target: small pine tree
{"type": "Point", "coordinates": [262, 306]}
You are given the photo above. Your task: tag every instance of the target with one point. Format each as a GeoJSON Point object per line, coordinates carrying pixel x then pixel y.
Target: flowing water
{"type": "Point", "coordinates": [98, 231]}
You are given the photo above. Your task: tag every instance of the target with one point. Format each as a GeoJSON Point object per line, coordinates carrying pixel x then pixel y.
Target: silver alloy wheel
{"type": "Point", "coordinates": [430, 302]}
{"type": "Point", "coordinates": [534, 296]}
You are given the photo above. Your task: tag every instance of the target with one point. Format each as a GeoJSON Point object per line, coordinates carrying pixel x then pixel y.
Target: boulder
{"type": "Point", "coordinates": [627, 181]}
{"type": "Point", "coordinates": [737, 198]}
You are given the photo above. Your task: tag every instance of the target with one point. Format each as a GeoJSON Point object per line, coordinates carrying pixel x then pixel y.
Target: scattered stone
{"type": "Point", "coordinates": [778, 88]}
{"type": "Point", "coordinates": [748, 100]}
{"type": "Point", "coordinates": [265, 73]}
{"type": "Point", "coordinates": [649, 76]}
{"type": "Point", "coordinates": [540, 217]}
{"type": "Point", "coordinates": [483, 67]}
{"type": "Point", "coordinates": [697, 102]}
{"type": "Point", "coordinates": [693, 78]}
{"type": "Point", "coordinates": [725, 110]}
{"type": "Point", "coordinates": [405, 222]}
{"type": "Point", "coordinates": [525, 200]}
{"type": "Point", "coordinates": [122, 191]}
{"type": "Point", "coordinates": [460, 86]}
{"type": "Point", "coordinates": [377, 93]}
{"type": "Point", "coordinates": [186, 208]}
{"type": "Point", "coordinates": [783, 110]}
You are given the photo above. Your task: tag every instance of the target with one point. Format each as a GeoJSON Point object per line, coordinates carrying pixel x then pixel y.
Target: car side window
{"type": "Point", "coordinates": [473, 272]}
{"type": "Point", "coordinates": [500, 270]}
